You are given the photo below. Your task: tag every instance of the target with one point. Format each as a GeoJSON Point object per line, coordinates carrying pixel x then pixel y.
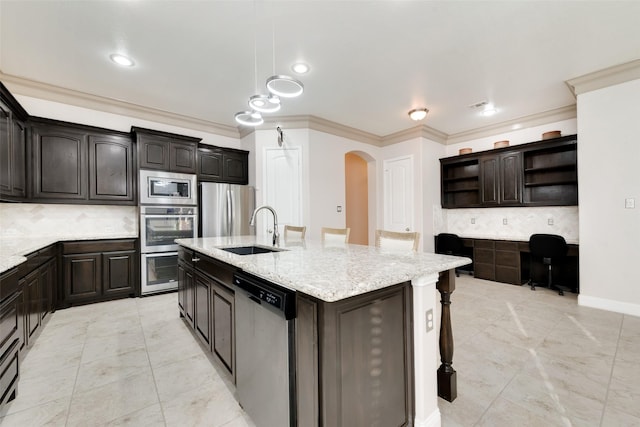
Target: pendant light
{"type": "Point", "coordinates": [265, 103]}
{"type": "Point", "coordinates": [249, 118]}
{"type": "Point", "coordinates": [279, 84]}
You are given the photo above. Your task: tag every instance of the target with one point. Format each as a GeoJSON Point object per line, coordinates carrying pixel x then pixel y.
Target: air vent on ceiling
{"type": "Point", "coordinates": [480, 104]}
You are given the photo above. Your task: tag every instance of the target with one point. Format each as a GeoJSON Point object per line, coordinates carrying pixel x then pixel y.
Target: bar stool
{"type": "Point", "coordinates": [334, 236]}
{"type": "Point", "coordinates": [294, 233]}
{"type": "Point", "coordinates": [397, 241]}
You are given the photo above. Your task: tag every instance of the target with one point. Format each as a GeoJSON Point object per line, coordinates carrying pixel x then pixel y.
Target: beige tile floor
{"type": "Point", "coordinates": [523, 359]}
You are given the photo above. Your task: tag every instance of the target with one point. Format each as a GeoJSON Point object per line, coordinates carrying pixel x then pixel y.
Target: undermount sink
{"type": "Point", "coordinates": [251, 250]}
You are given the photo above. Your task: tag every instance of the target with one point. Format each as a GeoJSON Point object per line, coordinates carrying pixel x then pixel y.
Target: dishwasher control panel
{"type": "Point", "coordinates": [260, 291]}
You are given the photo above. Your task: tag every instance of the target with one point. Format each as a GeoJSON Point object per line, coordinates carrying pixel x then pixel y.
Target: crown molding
{"type": "Point", "coordinates": [617, 74]}
{"type": "Point", "coordinates": [421, 131]}
{"type": "Point", "coordinates": [555, 115]}
{"type": "Point", "coordinates": [53, 93]}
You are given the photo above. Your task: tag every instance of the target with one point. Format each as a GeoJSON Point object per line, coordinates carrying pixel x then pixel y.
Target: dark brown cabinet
{"type": "Point", "coordinates": [207, 303]}
{"type": "Point", "coordinates": [223, 165]}
{"type": "Point", "coordinates": [166, 151]}
{"type": "Point", "coordinates": [542, 173]}
{"type": "Point", "coordinates": [484, 259]}
{"type": "Point", "coordinates": [501, 179]}
{"type": "Point", "coordinates": [111, 168]}
{"type": "Point", "coordinates": [97, 271]}
{"type": "Point", "coordinates": [13, 141]}
{"type": "Point", "coordinates": [81, 164]}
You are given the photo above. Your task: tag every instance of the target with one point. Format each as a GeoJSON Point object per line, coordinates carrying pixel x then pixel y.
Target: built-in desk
{"type": "Point", "coordinates": [509, 261]}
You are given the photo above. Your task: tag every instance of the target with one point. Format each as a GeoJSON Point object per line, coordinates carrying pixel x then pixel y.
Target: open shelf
{"type": "Point", "coordinates": [542, 183]}
{"type": "Point", "coordinates": [570, 166]}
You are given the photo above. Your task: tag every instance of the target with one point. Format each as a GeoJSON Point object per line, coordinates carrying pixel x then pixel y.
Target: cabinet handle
{"type": "Point", "coordinates": [195, 259]}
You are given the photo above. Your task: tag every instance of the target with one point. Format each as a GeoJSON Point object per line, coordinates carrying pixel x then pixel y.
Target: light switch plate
{"type": "Point", "coordinates": [339, 208]}
{"type": "Point", "coordinates": [504, 221]}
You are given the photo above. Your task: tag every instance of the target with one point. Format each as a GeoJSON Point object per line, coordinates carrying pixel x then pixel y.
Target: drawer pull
{"type": "Point", "coordinates": [195, 259]}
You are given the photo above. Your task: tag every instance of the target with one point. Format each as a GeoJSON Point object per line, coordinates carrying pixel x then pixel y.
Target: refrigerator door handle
{"type": "Point", "coordinates": [229, 213]}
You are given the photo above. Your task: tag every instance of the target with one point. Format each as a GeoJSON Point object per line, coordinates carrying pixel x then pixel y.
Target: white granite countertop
{"type": "Point", "coordinates": [13, 250]}
{"type": "Point", "coordinates": [327, 273]}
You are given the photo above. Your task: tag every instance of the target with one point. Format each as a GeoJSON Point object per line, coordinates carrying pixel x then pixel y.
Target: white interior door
{"type": "Point", "coordinates": [283, 181]}
{"type": "Point", "coordinates": [398, 194]}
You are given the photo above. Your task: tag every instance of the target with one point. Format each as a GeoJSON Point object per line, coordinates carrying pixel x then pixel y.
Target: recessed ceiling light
{"type": "Point", "coordinates": [489, 112]}
{"type": "Point", "coordinates": [121, 60]}
{"type": "Point", "coordinates": [300, 68]}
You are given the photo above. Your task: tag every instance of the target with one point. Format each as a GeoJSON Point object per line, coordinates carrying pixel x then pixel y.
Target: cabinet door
{"type": "Point", "coordinates": [5, 150]}
{"type": "Point", "coordinates": [19, 159]}
{"type": "Point", "coordinates": [235, 168]}
{"type": "Point", "coordinates": [31, 286]}
{"type": "Point", "coordinates": [182, 157]}
{"type": "Point", "coordinates": [181, 287]}
{"type": "Point", "coordinates": [82, 278]}
{"type": "Point", "coordinates": [48, 273]}
{"type": "Point", "coordinates": [511, 179]}
{"type": "Point", "coordinates": [59, 163]}
{"type": "Point", "coordinates": [10, 322]}
{"type": "Point", "coordinates": [202, 313]}
{"type": "Point", "coordinates": [224, 326]}
{"type": "Point", "coordinates": [118, 272]}
{"type": "Point", "coordinates": [153, 152]}
{"type": "Point", "coordinates": [189, 296]}
{"type": "Point", "coordinates": [209, 165]}
{"type": "Point", "coordinates": [489, 182]}
{"type": "Point", "coordinates": [110, 168]}
{"type": "Point", "coordinates": [484, 263]}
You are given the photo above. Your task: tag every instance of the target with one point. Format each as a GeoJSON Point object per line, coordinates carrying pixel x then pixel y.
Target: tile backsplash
{"type": "Point", "coordinates": [70, 221]}
{"type": "Point", "coordinates": [508, 223]}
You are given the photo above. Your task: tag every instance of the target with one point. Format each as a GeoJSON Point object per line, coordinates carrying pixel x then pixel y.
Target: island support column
{"type": "Point", "coordinates": [425, 345]}
{"type": "Point", "coordinates": [447, 382]}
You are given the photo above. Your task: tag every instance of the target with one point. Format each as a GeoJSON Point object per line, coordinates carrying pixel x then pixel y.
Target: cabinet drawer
{"type": "Point", "coordinates": [510, 259]}
{"type": "Point", "coordinates": [506, 246]}
{"type": "Point", "coordinates": [218, 270]}
{"type": "Point", "coordinates": [483, 255]}
{"type": "Point", "coordinates": [186, 255]}
{"type": "Point", "coordinates": [98, 246]}
{"type": "Point", "coordinates": [9, 323]}
{"type": "Point", "coordinates": [484, 271]}
{"type": "Point", "coordinates": [9, 373]}
{"type": "Point", "coordinates": [483, 244]}
{"type": "Point", "coordinates": [508, 275]}
{"type": "Point", "coordinates": [8, 283]}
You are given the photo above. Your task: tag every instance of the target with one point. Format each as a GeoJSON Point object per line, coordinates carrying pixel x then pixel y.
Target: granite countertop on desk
{"type": "Point", "coordinates": [13, 250]}
{"type": "Point", "coordinates": [329, 273]}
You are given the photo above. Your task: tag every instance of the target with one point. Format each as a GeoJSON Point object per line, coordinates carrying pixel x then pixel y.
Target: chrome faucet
{"type": "Point", "coordinates": [276, 235]}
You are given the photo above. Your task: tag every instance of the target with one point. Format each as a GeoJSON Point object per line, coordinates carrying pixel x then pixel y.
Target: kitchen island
{"type": "Point", "coordinates": [366, 342]}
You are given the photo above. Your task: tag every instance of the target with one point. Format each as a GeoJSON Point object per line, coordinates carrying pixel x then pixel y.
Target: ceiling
{"type": "Point", "coordinates": [371, 61]}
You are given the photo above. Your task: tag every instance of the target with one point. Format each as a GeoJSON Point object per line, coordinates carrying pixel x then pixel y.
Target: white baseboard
{"type": "Point", "coordinates": [432, 421]}
{"type": "Point", "coordinates": [610, 305]}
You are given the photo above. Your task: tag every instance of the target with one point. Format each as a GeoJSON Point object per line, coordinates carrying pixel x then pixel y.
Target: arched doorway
{"type": "Point", "coordinates": [357, 196]}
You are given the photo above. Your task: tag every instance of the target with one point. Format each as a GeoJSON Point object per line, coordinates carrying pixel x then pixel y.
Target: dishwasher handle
{"type": "Point", "coordinates": [254, 299]}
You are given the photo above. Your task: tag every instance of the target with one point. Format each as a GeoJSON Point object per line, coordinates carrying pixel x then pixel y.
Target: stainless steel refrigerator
{"type": "Point", "coordinates": [225, 209]}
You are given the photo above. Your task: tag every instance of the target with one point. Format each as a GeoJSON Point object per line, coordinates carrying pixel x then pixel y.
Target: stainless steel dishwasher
{"type": "Point", "coordinates": [265, 351]}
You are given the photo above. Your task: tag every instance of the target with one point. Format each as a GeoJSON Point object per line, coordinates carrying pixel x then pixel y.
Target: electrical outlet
{"type": "Point", "coordinates": [504, 221]}
{"type": "Point", "coordinates": [550, 221]}
{"type": "Point", "coordinates": [430, 320]}
{"type": "Point", "coordinates": [339, 208]}
{"type": "Point", "coordinates": [473, 220]}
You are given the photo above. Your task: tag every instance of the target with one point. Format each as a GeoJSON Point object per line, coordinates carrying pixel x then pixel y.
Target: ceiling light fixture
{"type": "Point", "coordinates": [300, 68]}
{"type": "Point", "coordinates": [284, 86]}
{"type": "Point", "coordinates": [264, 103]}
{"type": "Point", "coordinates": [489, 111]}
{"type": "Point", "coordinates": [418, 114]}
{"type": "Point", "coordinates": [249, 118]}
{"type": "Point", "coordinates": [121, 60]}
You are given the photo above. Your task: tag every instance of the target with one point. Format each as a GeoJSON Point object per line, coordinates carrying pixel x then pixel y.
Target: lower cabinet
{"type": "Point", "coordinates": [96, 271]}
{"type": "Point", "coordinates": [207, 303]}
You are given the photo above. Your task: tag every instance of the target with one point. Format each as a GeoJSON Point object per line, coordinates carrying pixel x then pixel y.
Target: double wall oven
{"type": "Point", "coordinates": [168, 211]}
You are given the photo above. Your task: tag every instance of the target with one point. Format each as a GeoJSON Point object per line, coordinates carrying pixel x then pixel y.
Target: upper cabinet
{"type": "Point", "coordinates": [74, 163]}
{"type": "Point", "coordinates": [223, 165]}
{"type": "Point", "coordinates": [13, 141]}
{"type": "Point", "coordinates": [166, 151]}
{"type": "Point", "coordinates": [542, 173]}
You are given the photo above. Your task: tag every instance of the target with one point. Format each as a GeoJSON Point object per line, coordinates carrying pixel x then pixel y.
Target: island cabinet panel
{"type": "Point", "coordinates": [223, 344]}
{"type": "Point", "coordinates": [202, 320]}
{"type": "Point", "coordinates": [185, 284]}
{"type": "Point", "coordinates": [99, 270]}
{"type": "Point", "coordinates": [364, 371]}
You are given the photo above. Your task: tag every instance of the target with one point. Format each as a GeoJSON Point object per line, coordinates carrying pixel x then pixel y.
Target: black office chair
{"type": "Point", "coordinates": [551, 249]}
{"type": "Point", "coordinates": [451, 244]}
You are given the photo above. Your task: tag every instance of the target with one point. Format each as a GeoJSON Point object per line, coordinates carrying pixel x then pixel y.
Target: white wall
{"type": "Point", "coordinates": [431, 213]}
{"type": "Point", "coordinates": [70, 113]}
{"type": "Point", "coordinates": [515, 137]}
{"type": "Point", "coordinates": [609, 172]}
